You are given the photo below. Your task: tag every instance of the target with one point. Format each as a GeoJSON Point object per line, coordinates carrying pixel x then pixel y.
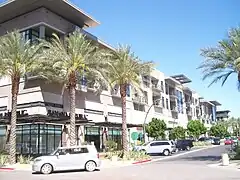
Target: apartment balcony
{"type": "Point", "coordinates": [146, 79]}
{"type": "Point", "coordinates": [188, 103]}
{"type": "Point", "coordinates": [189, 113]}
{"type": "Point", "coordinates": [115, 93]}
{"type": "Point", "coordinates": [158, 108]}
{"type": "Point", "coordinates": [173, 96]}
{"type": "Point", "coordinates": [174, 109]}
{"type": "Point", "coordinates": [139, 100]}
{"type": "Point", "coordinates": [157, 88]}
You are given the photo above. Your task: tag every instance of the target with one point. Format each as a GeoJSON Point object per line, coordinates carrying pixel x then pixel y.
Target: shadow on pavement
{"type": "Point", "coordinates": [58, 172]}
{"type": "Point", "coordinates": [201, 158]}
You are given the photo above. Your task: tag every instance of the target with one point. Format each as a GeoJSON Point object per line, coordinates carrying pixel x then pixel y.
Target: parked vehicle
{"type": "Point", "coordinates": [157, 147]}
{"type": "Point", "coordinates": [216, 141]}
{"type": "Point", "coordinates": [185, 144]}
{"type": "Point", "coordinates": [68, 158]}
{"type": "Point", "coordinates": [206, 139]}
{"type": "Point", "coordinates": [228, 141]}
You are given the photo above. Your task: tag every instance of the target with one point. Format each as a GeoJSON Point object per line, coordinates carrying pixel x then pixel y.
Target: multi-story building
{"type": "Point", "coordinates": [222, 115]}
{"type": "Point", "coordinates": [43, 108]}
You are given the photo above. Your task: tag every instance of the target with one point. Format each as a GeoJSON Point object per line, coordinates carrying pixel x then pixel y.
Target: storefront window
{"type": "Point", "coordinates": [2, 137]}
{"type": "Point", "coordinates": [38, 138]}
{"type": "Point", "coordinates": [115, 135]}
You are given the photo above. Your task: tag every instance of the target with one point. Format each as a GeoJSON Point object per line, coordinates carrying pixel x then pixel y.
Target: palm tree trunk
{"type": "Point", "coordinates": [72, 92]}
{"type": "Point", "coordinates": [124, 117]}
{"type": "Point", "coordinates": [15, 89]}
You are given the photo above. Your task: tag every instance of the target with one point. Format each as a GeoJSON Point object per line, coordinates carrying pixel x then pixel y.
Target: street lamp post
{"type": "Point", "coordinates": [145, 119]}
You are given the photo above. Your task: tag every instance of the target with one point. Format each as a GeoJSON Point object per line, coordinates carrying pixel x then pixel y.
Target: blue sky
{"type": "Point", "coordinates": [171, 33]}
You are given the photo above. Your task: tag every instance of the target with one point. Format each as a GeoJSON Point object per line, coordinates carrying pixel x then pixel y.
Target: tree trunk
{"type": "Point", "coordinates": [12, 143]}
{"type": "Point", "coordinates": [124, 118]}
{"type": "Point", "coordinates": [72, 92]}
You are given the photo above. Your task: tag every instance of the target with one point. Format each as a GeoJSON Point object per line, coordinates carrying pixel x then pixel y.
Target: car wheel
{"type": "Point", "coordinates": [188, 148]}
{"type": "Point", "coordinates": [90, 166]}
{"type": "Point", "coordinates": [46, 169]}
{"type": "Point", "coordinates": [166, 152]}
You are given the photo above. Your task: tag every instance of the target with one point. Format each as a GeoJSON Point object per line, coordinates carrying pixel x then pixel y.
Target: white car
{"type": "Point", "coordinates": [157, 147]}
{"type": "Point", "coordinates": [68, 158]}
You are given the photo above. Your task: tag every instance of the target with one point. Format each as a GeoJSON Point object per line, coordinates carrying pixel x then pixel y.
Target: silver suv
{"type": "Point", "coordinates": [68, 158]}
{"type": "Point", "coordinates": [157, 147]}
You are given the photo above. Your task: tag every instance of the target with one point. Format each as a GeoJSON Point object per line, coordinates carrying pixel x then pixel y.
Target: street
{"type": "Point", "coordinates": [186, 167]}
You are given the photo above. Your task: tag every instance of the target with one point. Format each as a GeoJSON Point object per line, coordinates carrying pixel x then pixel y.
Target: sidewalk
{"type": "Point", "coordinates": [234, 165]}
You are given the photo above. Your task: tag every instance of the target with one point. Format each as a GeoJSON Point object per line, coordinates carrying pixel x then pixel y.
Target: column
{"type": "Point", "coordinates": [42, 32]}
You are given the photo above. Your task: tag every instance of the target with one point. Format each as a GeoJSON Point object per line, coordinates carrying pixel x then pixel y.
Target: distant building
{"type": "Point", "coordinates": [222, 115]}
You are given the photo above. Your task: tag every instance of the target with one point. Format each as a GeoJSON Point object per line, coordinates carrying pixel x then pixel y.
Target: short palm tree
{"type": "Point", "coordinates": [124, 69]}
{"type": "Point", "coordinates": [223, 60]}
{"type": "Point", "coordinates": [70, 60]}
{"type": "Point", "coordinates": [17, 57]}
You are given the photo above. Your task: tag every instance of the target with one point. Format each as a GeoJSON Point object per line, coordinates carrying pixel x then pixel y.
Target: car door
{"type": "Point", "coordinates": [63, 160]}
{"type": "Point", "coordinates": [79, 157]}
{"type": "Point", "coordinates": [155, 147]}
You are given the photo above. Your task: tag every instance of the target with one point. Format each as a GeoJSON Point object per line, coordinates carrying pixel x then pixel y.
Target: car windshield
{"type": "Point", "coordinates": [145, 144]}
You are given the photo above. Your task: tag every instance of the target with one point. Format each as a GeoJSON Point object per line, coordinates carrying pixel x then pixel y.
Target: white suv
{"type": "Point", "coordinates": [157, 147]}
{"type": "Point", "coordinates": [68, 158]}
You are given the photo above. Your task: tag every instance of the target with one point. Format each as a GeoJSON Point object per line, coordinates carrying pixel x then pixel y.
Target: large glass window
{"type": "Point", "coordinates": [31, 34]}
{"type": "Point", "coordinates": [38, 138]}
{"type": "Point", "coordinates": [2, 137]}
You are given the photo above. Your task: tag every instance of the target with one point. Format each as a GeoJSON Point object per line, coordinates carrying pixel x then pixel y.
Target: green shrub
{"type": "Point", "coordinates": [24, 159]}
{"type": "Point", "coordinates": [131, 155]}
{"type": "Point", "coordinates": [201, 143]}
{"type": "Point", "coordinates": [111, 146]}
{"type": "Point", "coordinates": [3, 159]}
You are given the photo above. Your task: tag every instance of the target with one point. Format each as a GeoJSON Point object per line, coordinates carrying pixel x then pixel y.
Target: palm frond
{"type": "Point", "coordinates": [223, 60]}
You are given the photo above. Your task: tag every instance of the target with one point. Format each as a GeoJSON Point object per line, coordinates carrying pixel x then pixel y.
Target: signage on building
{"type": "Point", "coordinates": [7, 115]}
{"type": "Point", "coordinates": [59, 114]}
{"type": "Point", "coordinates": [114, 114]}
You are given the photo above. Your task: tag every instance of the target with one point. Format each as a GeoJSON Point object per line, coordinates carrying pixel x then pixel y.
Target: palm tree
{"type": "Point", "coordinates": [223, 60]}
{"type": "Point", "coordinates": [17, 57]}
{"type": "Point", "coordinates": [70, 61]}
{"type": "Point", "coordinates": [124, 69]}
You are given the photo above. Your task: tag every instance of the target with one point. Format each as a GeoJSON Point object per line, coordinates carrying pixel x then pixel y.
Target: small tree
{"type": "Point", "coordinates": [196, 128]}
{"type": "Point", "coordinates": [156, 128]}
{"type": "Point", "coordinates": [219, 130]}
{"type": "Point", "coordinates": [177, 133]}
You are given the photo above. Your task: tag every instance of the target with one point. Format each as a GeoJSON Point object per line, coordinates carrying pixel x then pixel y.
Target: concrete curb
{"type": "Point", "coordinates": [142, 161]}
{"type": "Point", "coordinates": [6, 169]}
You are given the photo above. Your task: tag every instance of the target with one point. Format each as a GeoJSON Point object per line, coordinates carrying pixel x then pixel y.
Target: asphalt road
{"type": "Point", "coordinates": [186, 167]}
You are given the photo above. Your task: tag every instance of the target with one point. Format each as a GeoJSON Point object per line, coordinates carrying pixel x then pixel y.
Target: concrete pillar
{"type": "Point", "coordinates": [42, 32]}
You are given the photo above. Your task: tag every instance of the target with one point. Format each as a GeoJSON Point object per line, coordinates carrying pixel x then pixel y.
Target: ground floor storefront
{"type": "Point", "coordinates": [43, 138]}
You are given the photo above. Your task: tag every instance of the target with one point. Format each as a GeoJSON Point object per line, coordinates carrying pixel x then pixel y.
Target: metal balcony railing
{"type": "Point", "coordinates": [139, 99]}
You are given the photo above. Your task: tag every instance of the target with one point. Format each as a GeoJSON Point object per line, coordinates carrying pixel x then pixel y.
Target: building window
{"type": "Point", "coordinates": [138, 107]}
{"type": "Point", "coordinates": [162, 86]}
{"type": "Point", "coordinates": [128, 90]}
{"type": "Point", "coordinates": [167, 104]}
{"type": "Point", "coordinates": [166, 89]}
{"type": "Point", "coordinates": [31, 34]}
{"type": "Point", "coordinates": [38, 139]}
{"type": "Point", "coordinates": [115, 135]}
{"type": "Point", "coordinates": [2, 137]}
{"type": "Point", "coordinates": [163, 103]}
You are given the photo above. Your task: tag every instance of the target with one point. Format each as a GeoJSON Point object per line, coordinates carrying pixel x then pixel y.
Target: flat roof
{"type": "Point", "coordinates": [187, 89]}
{"type": "Point", "coordinates": [182, 78]}
{"type": "Point", "coordinates": [172, 80]}
{"type": "Point", "coordinates": [223, 111]}
{"type": "Point", "coordinates": [208, 102]}
{"type": "Point", "coordinates": [216, 103]}
{"type": "Point", "coordinates": [94, 38]}
{"type": "Point", "coordinates": [14, 8]}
